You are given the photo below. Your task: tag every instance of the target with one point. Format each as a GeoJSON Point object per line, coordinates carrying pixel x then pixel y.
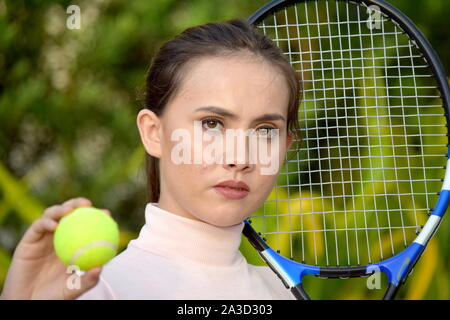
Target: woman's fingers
{"type": "Point", "coordinates": [78, 202]}
{"type": "Point", "coordinates": [56, 212]}
{"type": "Point", "coordinates": [49, 220]}
{"type": "Point", "coordinates": [48, 225]}
{"type": "Point", "coordinates": [39, 228]}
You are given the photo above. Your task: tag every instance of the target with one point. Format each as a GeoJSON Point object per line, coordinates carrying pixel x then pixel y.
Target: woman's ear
{"type": "Point", "coordinates": [149, 125]}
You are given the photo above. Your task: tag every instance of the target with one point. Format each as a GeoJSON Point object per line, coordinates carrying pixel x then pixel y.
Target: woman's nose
{"type": "Point", "coordinates": [246, 167]}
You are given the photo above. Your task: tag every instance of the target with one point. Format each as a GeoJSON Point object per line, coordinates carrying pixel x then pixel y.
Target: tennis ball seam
{"type": "Point", "coordinates": [80, 251]}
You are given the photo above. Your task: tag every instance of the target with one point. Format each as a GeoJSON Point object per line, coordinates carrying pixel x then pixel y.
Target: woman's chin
{"type": "Point", "coordinates": [224, 222]}
{"type": "Point", "coordinates": [226, 214]}
{"type": "Point", "coordinates": [219, 211]}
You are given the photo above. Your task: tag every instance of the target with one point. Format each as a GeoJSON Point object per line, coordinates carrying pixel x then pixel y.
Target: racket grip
{"type": "Point", "coordinates": [299, 293]}
{"type": "Point", "coordinates": [391, 292]}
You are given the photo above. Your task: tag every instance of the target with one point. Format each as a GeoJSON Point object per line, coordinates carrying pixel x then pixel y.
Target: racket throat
{"type": "Point", "coordinates": [290, 272]}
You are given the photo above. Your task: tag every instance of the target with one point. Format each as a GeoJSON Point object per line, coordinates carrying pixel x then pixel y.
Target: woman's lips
{"type": "Point", "coordinates": [232, 189]}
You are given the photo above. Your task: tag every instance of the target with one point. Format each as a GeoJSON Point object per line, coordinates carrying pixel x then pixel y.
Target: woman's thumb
{"type": "Point", "coordinates": [91, 277]}
{"type": "Point", "coordinates": [87, 281]}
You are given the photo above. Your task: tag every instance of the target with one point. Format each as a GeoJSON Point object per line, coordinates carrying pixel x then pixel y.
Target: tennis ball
{"type": "Point", "coordinates": [86, 237]}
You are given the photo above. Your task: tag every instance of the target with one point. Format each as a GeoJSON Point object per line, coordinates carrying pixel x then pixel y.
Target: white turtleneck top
{"type": "Point", "coordinates": [179, 258]}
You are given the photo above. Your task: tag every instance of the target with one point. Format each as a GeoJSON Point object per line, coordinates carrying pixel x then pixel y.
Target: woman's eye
{"type": "Point", "coordinates": [267, 132]}
{"type": "Point", "coordinates": [212, 124]}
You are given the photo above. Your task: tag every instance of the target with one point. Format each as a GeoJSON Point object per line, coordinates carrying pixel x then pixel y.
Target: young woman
{"type": "Point", "coordinates": [223, 76]}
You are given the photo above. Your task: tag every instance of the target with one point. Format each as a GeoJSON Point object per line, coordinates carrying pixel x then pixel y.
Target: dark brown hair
{"type": "Point", "coordinates": [210, 40]}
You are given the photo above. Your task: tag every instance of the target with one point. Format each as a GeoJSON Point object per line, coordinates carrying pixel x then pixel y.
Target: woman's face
{"type": "Point", "coordinates": [221, 93]}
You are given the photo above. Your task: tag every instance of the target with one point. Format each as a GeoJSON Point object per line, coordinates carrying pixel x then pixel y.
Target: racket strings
{"type": "Point", "coordinates": [374, 137]}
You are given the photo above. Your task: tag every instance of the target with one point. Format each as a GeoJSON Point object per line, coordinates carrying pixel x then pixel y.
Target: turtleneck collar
{"type": "Point", "coordinates": [179, 238]}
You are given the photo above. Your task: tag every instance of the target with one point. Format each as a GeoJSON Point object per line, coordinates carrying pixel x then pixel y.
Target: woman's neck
{"type": "Point", "coordinates": [179, 238]}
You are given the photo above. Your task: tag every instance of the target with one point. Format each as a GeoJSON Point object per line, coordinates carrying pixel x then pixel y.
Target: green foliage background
{"type": "Point", "coordinates": [69, 100]}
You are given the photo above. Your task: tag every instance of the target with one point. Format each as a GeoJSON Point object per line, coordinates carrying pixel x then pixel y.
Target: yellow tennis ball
{"type": "Point", "coordinates": [87, 237]}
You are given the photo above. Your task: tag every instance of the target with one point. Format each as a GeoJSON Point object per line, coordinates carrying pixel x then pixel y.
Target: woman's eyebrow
{"type": "Point", "coordinates": [270, 117]}
{"type": "Point", "coordinates": [218, 110]}
{"type": "Point", "coordinates": [228, 114]}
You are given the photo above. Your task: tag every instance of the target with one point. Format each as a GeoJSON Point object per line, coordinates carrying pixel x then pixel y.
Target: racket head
{"type": "Point", "coordinates": [373, 158]}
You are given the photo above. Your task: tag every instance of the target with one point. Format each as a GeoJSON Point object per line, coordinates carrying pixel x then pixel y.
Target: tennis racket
{"type": "Point", "coordinates": [369, 185]}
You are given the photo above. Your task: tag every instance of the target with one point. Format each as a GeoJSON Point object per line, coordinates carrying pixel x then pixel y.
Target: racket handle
{"type": "Point", "coordinates": [391, 292]}
{"type": "Point", "coordinates": [299, 293]}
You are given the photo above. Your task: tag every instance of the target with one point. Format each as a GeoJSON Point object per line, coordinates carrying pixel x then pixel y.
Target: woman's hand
{"type": "Point", "coordinates": [36, 272]}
